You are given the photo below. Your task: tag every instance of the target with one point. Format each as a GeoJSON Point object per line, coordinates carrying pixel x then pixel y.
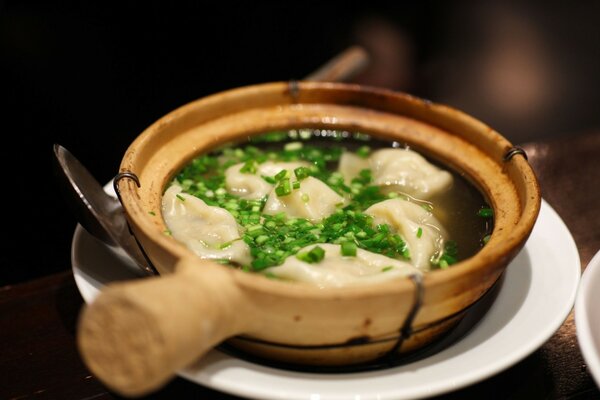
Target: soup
{"type": "Point", "coordinates": [329, 208]}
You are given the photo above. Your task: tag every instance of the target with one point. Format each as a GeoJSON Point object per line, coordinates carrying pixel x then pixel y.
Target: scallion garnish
{"type": "Point", "coordinates": [284, 188]}
{"type": "Point", "coordinates": [249, 167]}
{"type": "Point", "coordinates": [348, 249]}
{"type": "Point", "coordinates": [485, 212]}
{"type": "Point", "coordinates": [315, 255]}
{"type": "Point", "coordinates": [363, 151]}
{"type": "Point", "coordinates": [419, 232]}
{"type": "Point", "coordinates": [301, 173]}
{"type": "Point", "coordinates": [284, 173]}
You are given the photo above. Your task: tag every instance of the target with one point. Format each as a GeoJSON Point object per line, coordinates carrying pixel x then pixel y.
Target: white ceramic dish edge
{"type": "Point", "coordinates": [587, 317]}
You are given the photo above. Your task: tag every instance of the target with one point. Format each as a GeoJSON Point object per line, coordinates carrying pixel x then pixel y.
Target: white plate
{"type": "Point", "coordinates": [536, 296]}
{"type": "Point", "coordinates": [587, 317]}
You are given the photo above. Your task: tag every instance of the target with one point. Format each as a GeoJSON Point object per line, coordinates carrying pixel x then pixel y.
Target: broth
{"type": "Point", "coordinates": [461, 209]}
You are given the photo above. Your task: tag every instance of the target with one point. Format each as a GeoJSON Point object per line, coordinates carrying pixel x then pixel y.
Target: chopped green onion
{"type": "Point", "coordinates": [348, 249]}
{"type": "Point", "coordinates": [284, 188]}
{"type": "Point", "coordinates": [301, 173]}
{"type": "Point", "coordinates": [261, 239]}
{"type": "Point", "coordinates": [249, 167]}
{"type": "Point", "coordinates": [152, 213]}
{"type": "Point", "coordinates": [269, 179]}
{"type": "Point", "coordinates": [419, 232]}
{"type": "Point", "coordinates": [485, 212]}
{"type": "Point", "coordinates": [385, 269]}
{"type": "Point", "coordinates": [315, 255]}
{"type": "Point", "coordinates": [180, 197]}
{"type": "Point", "coordinates": [284, 173]}
{"type": "Point", "coordinates": [363, 151]}
{"type": "Point", "coordinates": [383, 228]}
{"type": "Point", "coordinates": [296, 185]}
{"type": "Point", "coordinates": [260, 263]}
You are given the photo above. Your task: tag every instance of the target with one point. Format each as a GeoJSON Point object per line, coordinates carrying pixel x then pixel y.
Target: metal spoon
{"type": "Point", "coordinates": [102, 215]}
{"type": "Point", "coordinates": [99, 213]}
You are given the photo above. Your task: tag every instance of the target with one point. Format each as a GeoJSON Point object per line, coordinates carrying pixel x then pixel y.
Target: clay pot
{"type": "Point", "coordinates": [137, 334]}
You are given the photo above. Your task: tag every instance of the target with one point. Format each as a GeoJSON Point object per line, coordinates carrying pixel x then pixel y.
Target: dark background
{"type": "Point", "coordinates": [92, 75]}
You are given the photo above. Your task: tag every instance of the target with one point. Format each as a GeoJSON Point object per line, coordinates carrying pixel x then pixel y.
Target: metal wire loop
{"type": "Point", "coordinates": [407, 328]}
{"type": "Point", "coordinates": [513, 151]}
{"type": "Point", "coordinates": [122, 175]}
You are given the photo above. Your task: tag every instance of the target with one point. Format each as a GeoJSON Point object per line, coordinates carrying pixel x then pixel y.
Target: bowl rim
{"type": "Point", "coordinates": [513, 241]}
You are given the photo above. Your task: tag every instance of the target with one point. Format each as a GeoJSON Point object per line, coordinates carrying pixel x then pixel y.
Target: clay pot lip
{"type": "Point", "coordinates": [481, 260]}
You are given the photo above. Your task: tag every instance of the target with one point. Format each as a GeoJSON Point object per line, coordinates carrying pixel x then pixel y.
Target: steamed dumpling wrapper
{"type": "Point", "coordinates": [422, 232]}
{"type": "Point", "coordinates": [203, 228]}
{"type": "Point", "coordinates": [400, 171]}
{"type": "Point", "coordinates": [335, 270]}
{"type": "Point", "coordinates": [314, 200]}
{"type": "Point", "coordinates": [252, 186]}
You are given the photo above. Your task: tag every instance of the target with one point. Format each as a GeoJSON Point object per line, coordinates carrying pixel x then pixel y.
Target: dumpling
{"type": "Point", "coordinates": [253, 186]}
{"type": "Point", "coordinates": [314, 200]}
{"type": "Point", "coordinates": [405, 171]}
{"type": "Point", "coordinates": [203, 228]}
{"type": "Point", "coordinates": [422, 232]}
{"type": "Point", "coordinates": [335, 270]}
{"type": "Point", "coordinates": [350, 166]}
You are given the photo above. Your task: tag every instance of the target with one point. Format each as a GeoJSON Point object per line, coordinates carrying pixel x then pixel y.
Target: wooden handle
{"type": "Point", "coordinates": [137, 334]}
{"type": "Point", "coordinates": [342, 67]}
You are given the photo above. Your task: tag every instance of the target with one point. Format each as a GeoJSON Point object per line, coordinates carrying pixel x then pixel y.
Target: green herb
{"type": "Point", "coordinates": [180, 197]}
{"type": "Point", "coordinates": [315, 255]}
{"type": "Point", "coordinates": [348, 249]}
{"type": "Point", "coordinates": [269, 179]}
{"type": "Point", "coordinates": [249, 167]}
{"type": "Point", "coordinates": [225, 245]}
{"type": "Point", "coordinates": [485, 212]}
{"type": "Point", "coordinates": [152, 213]}
{"type": "Point", "coordinates": [363, 151]}
{"type": "Point", "coordinates": [419, 232]}
{"type": "Point", "coordinates": [388, 268]}
{"type": "Point", "coordinates": [301, 173]}
{"type": "Point", "coordinates": [283, 174]}
{"type": "Point", "coordinates": [284, 188]}
{"type": "Point", "coordinates": [449, 255]}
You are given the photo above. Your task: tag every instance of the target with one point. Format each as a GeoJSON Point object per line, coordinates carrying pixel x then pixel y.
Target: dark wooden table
{"type": "Point", "coordinates": [38, 357]}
